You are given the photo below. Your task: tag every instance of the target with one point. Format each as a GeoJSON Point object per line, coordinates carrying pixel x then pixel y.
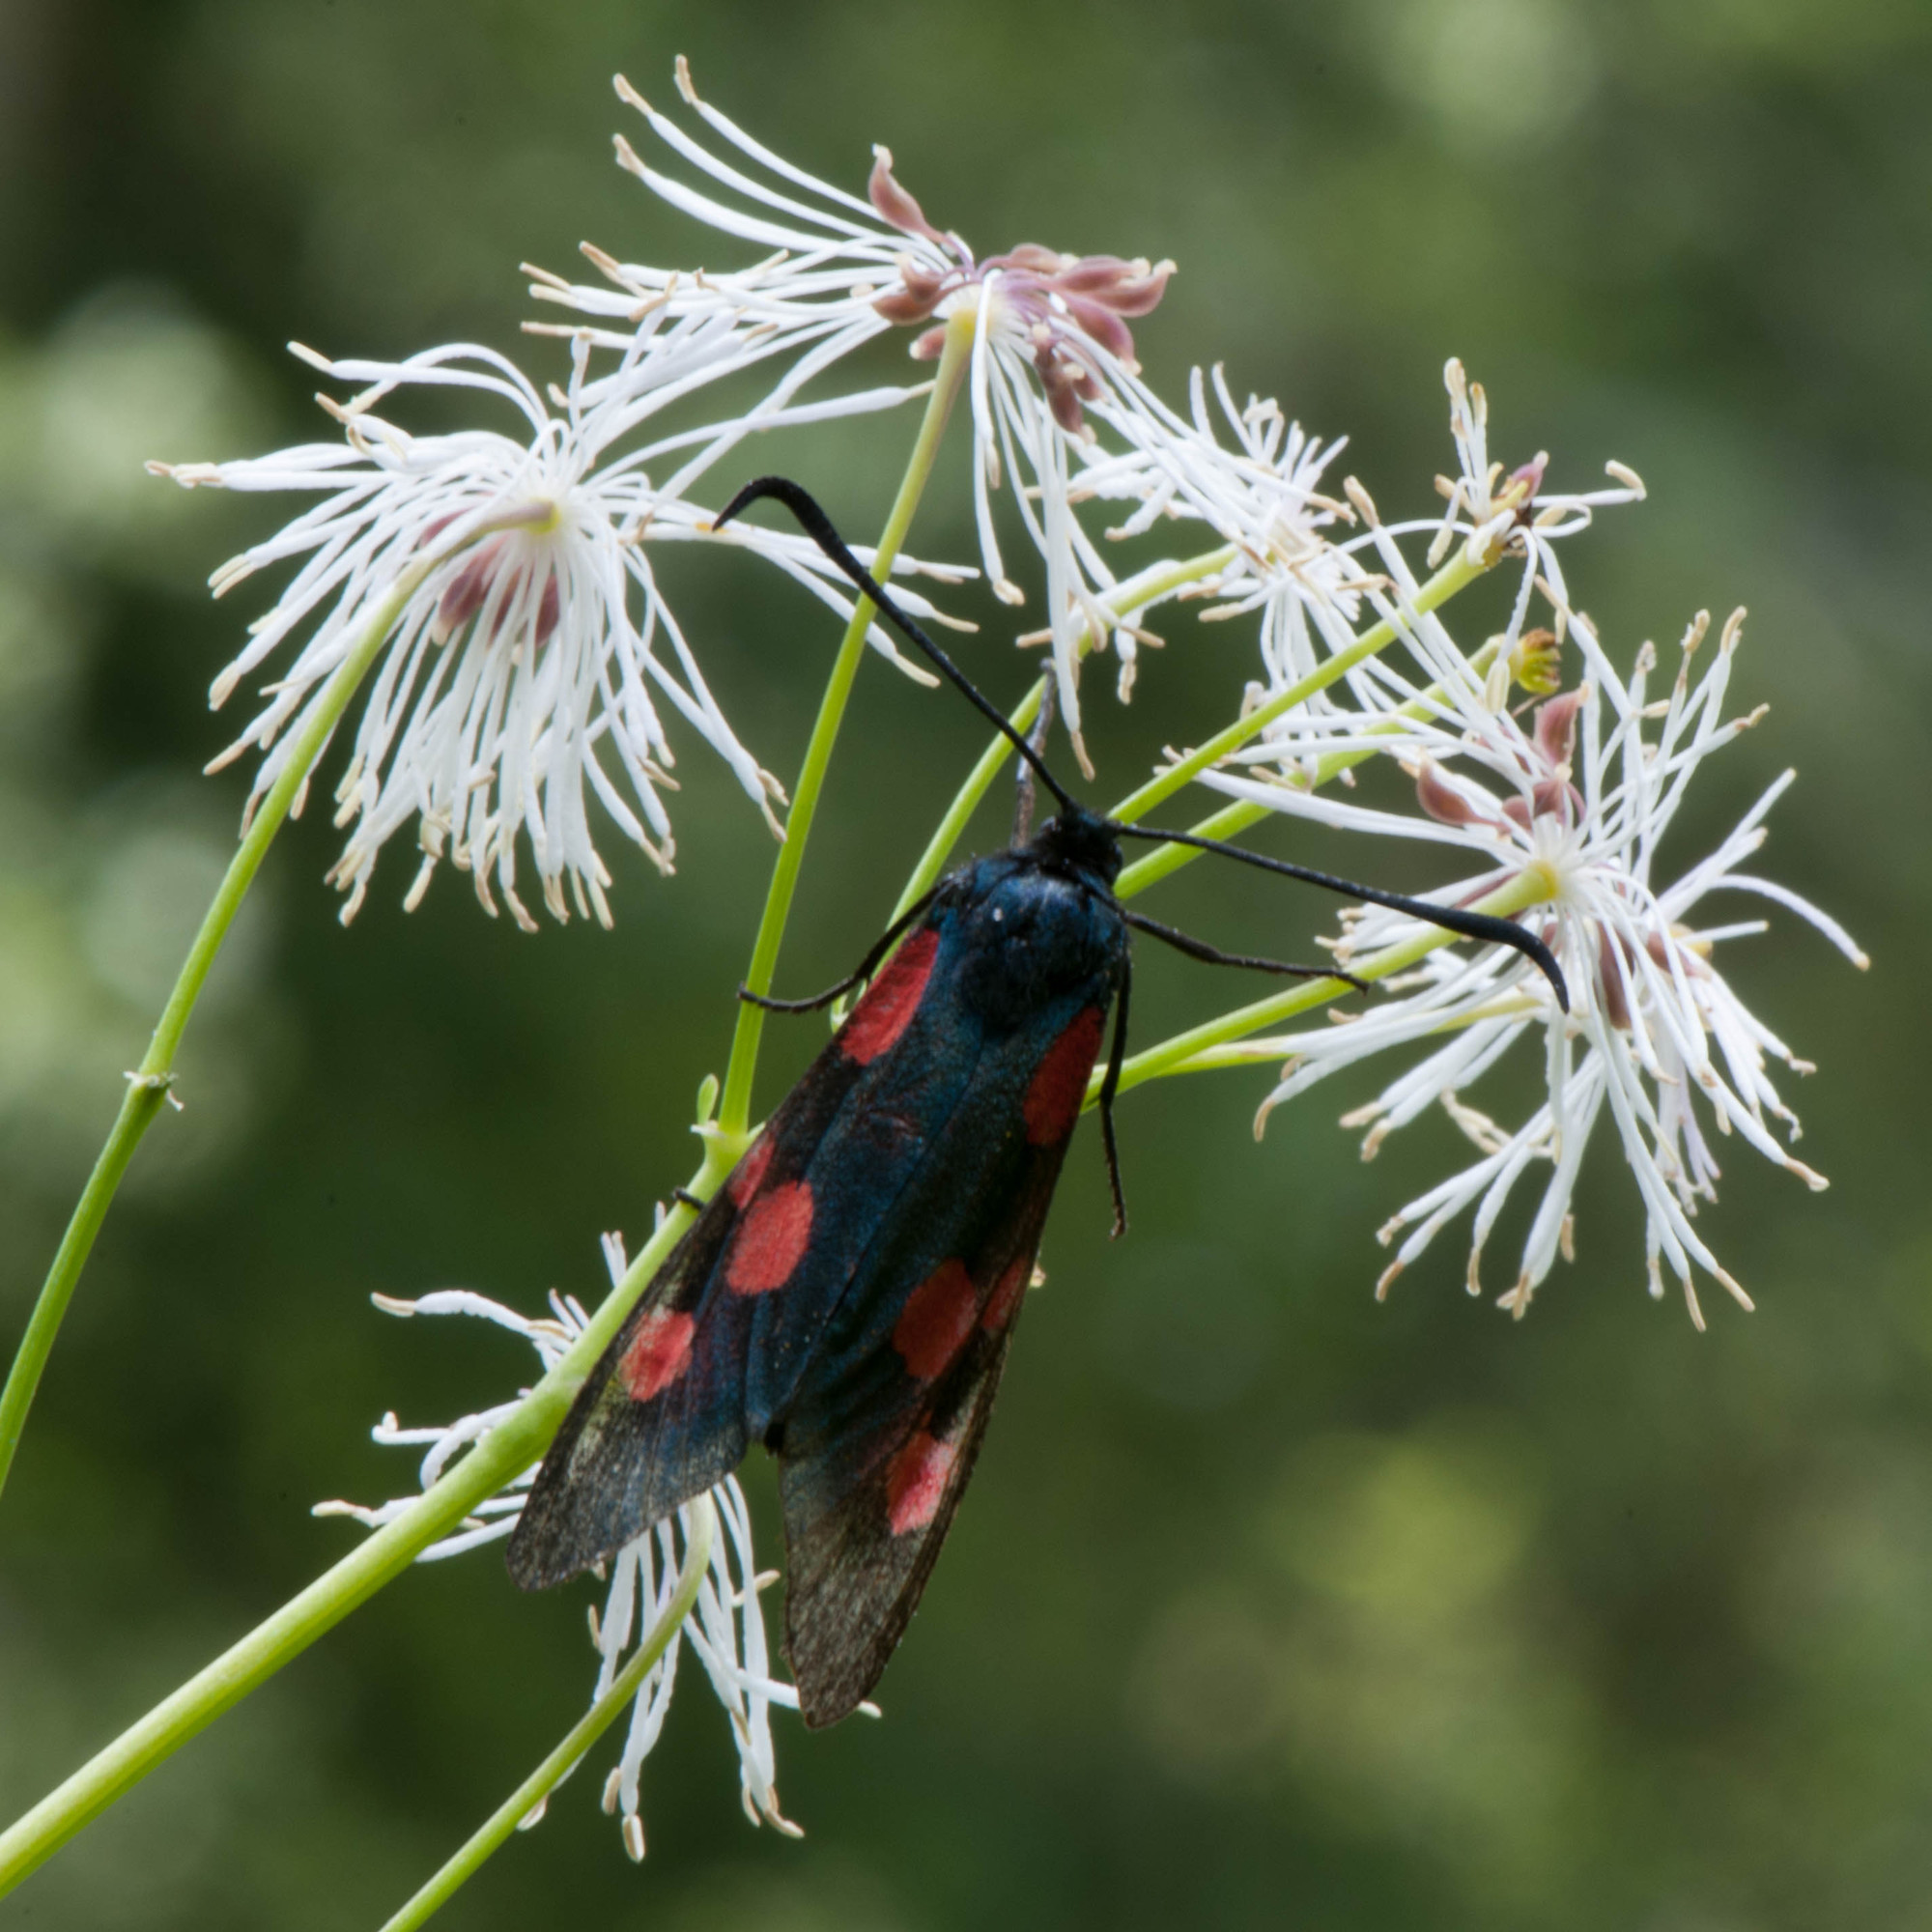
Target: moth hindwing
{"type": "Point", "coordinates": [848, 1296]}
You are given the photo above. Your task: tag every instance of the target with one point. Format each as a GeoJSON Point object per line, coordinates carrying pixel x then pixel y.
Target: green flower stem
{"type": "Point", "coordinates": [551, 1771]}
{"type": "Point", "coordinates": [1194, 1050]}
{"type": "Point", "coordinates": [955, 361]}
{"type": "Point", "coordinates": [966, 802]}
{"type": "Point", "coordinates": [1458, 574]}
{"type": "Point", "coordinates": [1235, 818]}
{"type": "Point", "coordinates": [1267, 1051]}
{"type": "Point", "coordinates": [522, 1436]}
{"type": "Point", "coordinates": [508, 1449]}
{"type": "Point", "coordinates": [149, 1084]}
{"type": "Point", "coordinates": [1146, 586]}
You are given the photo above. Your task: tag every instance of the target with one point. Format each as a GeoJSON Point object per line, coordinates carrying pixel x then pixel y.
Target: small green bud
{"type": "Point", "coordinates": [1536, 662]}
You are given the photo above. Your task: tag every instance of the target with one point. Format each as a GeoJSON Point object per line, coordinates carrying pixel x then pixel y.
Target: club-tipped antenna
{"type": "Point", "coordinates": [1480, 926]}
{"type": "Point", "coordinates": [817, 526]}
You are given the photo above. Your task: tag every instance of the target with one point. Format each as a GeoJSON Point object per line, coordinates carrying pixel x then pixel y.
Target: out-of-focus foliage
{"type": "Point", "coordinates": [1269, 1605]}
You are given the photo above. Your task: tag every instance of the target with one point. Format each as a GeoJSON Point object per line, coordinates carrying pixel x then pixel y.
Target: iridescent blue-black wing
{"type": "Point", "coordinates": [881, 1436]}
{"type": "Point", "coordinates": [682, 1389]}
{"type": "Point", "coordinates": [848, 1296]}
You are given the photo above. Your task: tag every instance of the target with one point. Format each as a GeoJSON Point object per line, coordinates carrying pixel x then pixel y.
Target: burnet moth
{"type": "Point", "coordinates": [848, 1296]}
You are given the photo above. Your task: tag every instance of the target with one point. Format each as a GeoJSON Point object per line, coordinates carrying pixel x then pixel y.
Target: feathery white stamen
{"type": "Point", "coordinates": [516, 675]}
{"type": "Point", "coordinates": [1580, 794]}
{"type": "Point", "coordinates": [1051, 346]}
{"type": "Point", "coordinates": [726, 1626]}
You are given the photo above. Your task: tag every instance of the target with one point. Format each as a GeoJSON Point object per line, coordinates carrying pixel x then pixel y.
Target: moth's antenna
{"type": "Point", "coordinates": [1480, 925]}
{"type": "Point", "coordinates": [1023, 803]}
{"type": "Point", "coordinates": [817, 526]}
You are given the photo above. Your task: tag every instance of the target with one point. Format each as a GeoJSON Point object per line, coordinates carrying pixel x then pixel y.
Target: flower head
{"type": "Point", "coordinates": [1263, 498]}
{"type": "Point", "coordinates": [725, 1628]}
{"type": "Point", "coordinates": [1051, 339]}
{"type": "Point", "coordinates": [529, 647]}
{"type": "Point", "coordinates": [1573, 803]}
{"type": "Point", "coordinates": [1313, 562]}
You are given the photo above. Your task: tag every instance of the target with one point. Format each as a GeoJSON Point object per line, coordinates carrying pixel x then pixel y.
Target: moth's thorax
{"type": "Point", "coordinates": [1029, 933]}
{"type": "Point", "coordinates": [1074, 842]}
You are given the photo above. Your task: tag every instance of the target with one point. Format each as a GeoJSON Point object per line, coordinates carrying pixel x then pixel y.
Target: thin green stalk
{"type": "Point", "coordinates": [1458, 574]}
{"type": "Point", "coordinates": [508, 1449]}
{"type": "Point", "coordinates": [965, 803]}
{"type": "Point", "coordinates": [1146, 586]}
{"type": "Point", "coordinates": [1225, 824]}
{"type": "Point", "coordinates": [150, 1083]}
{"type": "Point", "coordinates": [524, 1435]}
{"type": "Point", "coordinates": [1235, 818]}
{"type": "Point", "coordinates": [551, 1773]}
{"type": "Point", "coordinates": [734, 1114]}
{"type": "Point", "coordinates": [1267, 1051]}
{"type": "Point", "coordinates": [1190, 1051]}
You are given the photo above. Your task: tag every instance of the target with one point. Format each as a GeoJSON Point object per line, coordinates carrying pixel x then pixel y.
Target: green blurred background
{"type": "Point", "coordinates": [1270, 1606]}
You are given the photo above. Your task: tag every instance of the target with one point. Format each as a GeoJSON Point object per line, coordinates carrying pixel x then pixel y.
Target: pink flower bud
{"type": "Point", "coordinates": [895, 205]}
{"type": "Point", "coordinates": [1530, 477]}
{"type": "Point", "coordinates": [1103, 326]}
{"type": "Point", "coordinates": [466, 591]}
{"type": "Point", "coordinates": [1557, 725]}
{"type": "Point", "coordinates": [1611, 971]}
{"type": "Point", "coordinates": [1441, 801]}
{"type": "Point", "coordinates": [1556, 798]}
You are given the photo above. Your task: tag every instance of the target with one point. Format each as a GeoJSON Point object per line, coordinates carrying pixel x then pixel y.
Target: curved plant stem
{"type": "Point", "coordinates": [734, 1113]}
{"type": "Point", "coordinates": [508, 1449]}
{"type": "Point", "coordinates": [150, 1084]}
{"type": "Point", "coordinates": [1458, 574]}
{"type": "Point", "coordinates": [522, 1436]}
{"type": "Point", "coordinates": [551, 1771]}
{"type": "Point", "coordinates": [1146, 586]}
{"type": "Point", "coordinates": [1193, 1051]}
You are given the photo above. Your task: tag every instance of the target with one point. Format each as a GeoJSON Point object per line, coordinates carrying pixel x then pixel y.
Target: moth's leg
{"type": "Point", "coordinates": [1212, 955]}
{"type": "Point", "coordinates": [863, 972]}
{"type": "Point", "coordinates": [1109, 1087]}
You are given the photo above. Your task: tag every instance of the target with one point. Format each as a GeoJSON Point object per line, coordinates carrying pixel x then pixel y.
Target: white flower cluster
{"type": "Point", "coordinates": [1579, 802]}
{"type": "Point", "coordinates": [1573, 832]}
{"type": "Point", "coordinates": [1050, 338]}
{"type": "Point", "coordinates": [516, 669]}
{"type": "Point", "coordinates": [530, 656]}
{"type": "Point", "coordinates": [525, 665]}
{"type": "Point", "coordinates": [726, 1626]}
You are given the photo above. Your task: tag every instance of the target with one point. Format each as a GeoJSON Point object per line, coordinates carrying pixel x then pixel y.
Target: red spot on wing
{"type": "Point", "coordinates": [659, 1354]}
{"type": "Point", "coordinates": [916, 1482]}
{"type": "Point", "coordinates": [1005, 1295]}
{"type": "Point", "coordinates": [888, 1007]}
{"type": "Point", "coordinates": [938, 1316]}
{"type": "Point", "coordinates": [771, 1239]}
{"type": "Point", "coordinates": [750, 1170]}
{"type": "Point", "coordinates": [1059, 1081]}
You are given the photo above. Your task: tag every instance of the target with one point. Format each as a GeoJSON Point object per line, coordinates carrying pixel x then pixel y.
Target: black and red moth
{"type": "Point", "coordinates": [848, 1296]}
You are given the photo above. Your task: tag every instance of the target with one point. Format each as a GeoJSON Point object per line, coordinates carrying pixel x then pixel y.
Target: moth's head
{"type": "Point", "coordinates": [1073, 840]}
